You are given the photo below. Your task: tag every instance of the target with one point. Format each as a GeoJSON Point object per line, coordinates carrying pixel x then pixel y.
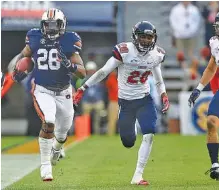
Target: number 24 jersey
{"type": "Point", "coordinates": [135, 69]}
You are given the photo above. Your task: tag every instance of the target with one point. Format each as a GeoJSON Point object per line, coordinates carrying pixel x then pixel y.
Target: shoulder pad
{"type": "Point", "coordinates": [123, 47]}
{"type": "Point", "coordinates": [76, 35]}
{"type": "Point", "coordinates": [120, 49]}
{"type": "Point", "coordinates": [160, 50]}
{"type": "Point", "coordinates": [212, 39]}
{"type": "Point", "coordinates": [34, 31]}
{"type": "Point", "coordinates": [76, 40]}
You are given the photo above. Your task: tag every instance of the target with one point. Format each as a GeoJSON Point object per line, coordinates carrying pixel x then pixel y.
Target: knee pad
{"type": "Point", "coordinates": [128, 141]}
{"type": "Point", "coordinates": [61, 138]}
{"type": "Point", "coordinates": [48, 127]}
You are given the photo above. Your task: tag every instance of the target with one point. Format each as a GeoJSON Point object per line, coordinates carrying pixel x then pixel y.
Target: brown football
{"type": "Point", "coordinates": [24, 64]}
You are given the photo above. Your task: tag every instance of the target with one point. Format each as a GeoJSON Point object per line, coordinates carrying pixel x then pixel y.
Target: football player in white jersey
{"type": "Point", "coordinates": [213, 110]}
{"type": "Point", "coordinates": [135, 61]}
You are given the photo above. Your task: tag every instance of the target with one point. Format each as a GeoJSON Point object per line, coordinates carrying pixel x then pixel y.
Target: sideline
{"type": "Point", "coordinates": [15, 165]}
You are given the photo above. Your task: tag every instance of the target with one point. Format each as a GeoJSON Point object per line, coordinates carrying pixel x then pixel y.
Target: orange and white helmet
{"type": "Point", "coordinates": [53, 23]}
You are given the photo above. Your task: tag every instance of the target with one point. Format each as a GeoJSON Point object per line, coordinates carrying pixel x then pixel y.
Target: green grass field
{"type": "Point", "coordinates": [11, 141]}
{"type": "Point", "coordinates": [102, 162]}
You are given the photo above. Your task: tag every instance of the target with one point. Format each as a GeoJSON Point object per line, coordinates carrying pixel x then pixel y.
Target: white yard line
{"type": "Point", "coordinates": [16, 166]}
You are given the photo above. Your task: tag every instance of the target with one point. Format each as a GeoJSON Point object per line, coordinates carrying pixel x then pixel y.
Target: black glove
{"type": "Point", "coordinates": [62, 56]}
{"type": "Point", "coordinates": [195, 94]}
{"type": "Point", "coordinates": [18, 76]}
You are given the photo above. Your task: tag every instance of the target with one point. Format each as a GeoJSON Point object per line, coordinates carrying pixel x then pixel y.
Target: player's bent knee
{"type": "Point", "coordinates": [61, 138]}
{"type": "Point", "coordinates": [128, 141]}
{"type": "Point", "coordinates": [48, 128]}
{"type": "Point", "coordinates": [212, 122]}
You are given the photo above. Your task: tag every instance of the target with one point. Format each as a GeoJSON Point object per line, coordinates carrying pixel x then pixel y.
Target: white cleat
{"type": "Point", "coordinates": [138, 180]}
{"type": "Point", "coordinates": [62, 153]}
{"type": "Point", "coordinates": [46, 172]}
{"type": "Point", "coordinates": [55, 154]}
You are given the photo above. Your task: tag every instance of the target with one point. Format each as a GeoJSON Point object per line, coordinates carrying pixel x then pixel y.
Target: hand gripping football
{"type": "Point", "coordinates": [24, 64]}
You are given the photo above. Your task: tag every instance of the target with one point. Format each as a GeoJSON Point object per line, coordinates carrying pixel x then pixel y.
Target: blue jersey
{"type": "Point", "coordinates": [49, 72]}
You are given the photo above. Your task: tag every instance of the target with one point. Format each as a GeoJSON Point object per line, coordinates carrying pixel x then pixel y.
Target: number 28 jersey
{"type": "Point", "coordinates": [135, 69]}
{"type": "Point", "coordinates": [48, 71]}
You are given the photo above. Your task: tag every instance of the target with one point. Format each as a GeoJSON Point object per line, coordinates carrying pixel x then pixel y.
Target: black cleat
{"type": "Point", "coordinates": [214, 173]}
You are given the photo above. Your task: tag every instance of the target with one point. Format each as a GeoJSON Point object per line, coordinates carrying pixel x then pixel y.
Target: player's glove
{"type": "Point", "coordinates": [64, 60]}
{"type": "Point", "coordinates": [166, 104]}
{"type": "Point", "coordinates": [78, 96]}
{"type": "Point", "coordinates": [195, 94]}
{"type": "Point", "coordinates": [18, 76]}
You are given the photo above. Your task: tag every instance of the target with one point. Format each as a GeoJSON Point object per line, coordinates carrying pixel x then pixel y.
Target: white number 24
{"type": "Point", "coordinates": [47, 59]}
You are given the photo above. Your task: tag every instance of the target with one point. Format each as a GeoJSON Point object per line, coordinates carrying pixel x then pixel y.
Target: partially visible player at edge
{"type": "Point", "coordinates": [135, 61]}
{"type": "Point", "coordinates": [213, 110]}
{"type": "Point", "coordinates": [55, 53]}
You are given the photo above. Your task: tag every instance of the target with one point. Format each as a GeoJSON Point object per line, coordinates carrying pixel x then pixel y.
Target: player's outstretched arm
{"type": "Point", "coordinates": [161, 88]}
{"type": "Point", "coordinates": [110, 65]}
{"type": "Point", "coordinates": [206, 77]}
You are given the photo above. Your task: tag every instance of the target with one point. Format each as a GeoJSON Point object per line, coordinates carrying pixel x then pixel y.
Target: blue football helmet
{"type": "Point", "coordinates": [144, 36]}
{"type": "Point", "coordinates": [216, 24]}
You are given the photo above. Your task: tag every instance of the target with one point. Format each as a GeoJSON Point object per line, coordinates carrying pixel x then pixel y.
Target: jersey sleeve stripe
{"type": "Point", "coordinates": [27, 40]}
{"type": "Point", "coordinates": [78, 45]}
{"type": "Point", "coordinates": [116, 54]}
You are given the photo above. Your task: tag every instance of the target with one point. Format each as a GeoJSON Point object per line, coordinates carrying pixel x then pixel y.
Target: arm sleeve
{"type": "Point", "coordinates": [110, 65]}
{"type": "Point", "coordinates": [158, 79]}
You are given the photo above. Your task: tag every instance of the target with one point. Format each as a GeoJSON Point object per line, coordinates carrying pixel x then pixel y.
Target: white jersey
{"type": "Point", "coordinates": [133, 73]}
{"type": "Point", "coordinates": [214, 44]}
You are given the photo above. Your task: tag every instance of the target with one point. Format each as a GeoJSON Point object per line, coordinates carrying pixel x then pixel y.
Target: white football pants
{"type": "Point", "coordinates": [54, 108]}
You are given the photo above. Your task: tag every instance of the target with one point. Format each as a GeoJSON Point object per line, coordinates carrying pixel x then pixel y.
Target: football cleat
{"type": "Point", "coordinates": [46, 172]}
{"type": "Point", "coordinates": [55, 154]}
{"type": "Point", "coordinates": [141, 182]}
{"type": "Point", "coordinates": [214, 173]}
{"type": "Point", "coordinates": [62, 153]}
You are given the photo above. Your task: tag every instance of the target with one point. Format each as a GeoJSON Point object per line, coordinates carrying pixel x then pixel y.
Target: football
{"type": "Point", "coordinates": [24, 64]}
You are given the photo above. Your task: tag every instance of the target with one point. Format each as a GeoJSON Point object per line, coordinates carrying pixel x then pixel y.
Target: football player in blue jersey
{"type": "Point", "coordinates": [55, 55]}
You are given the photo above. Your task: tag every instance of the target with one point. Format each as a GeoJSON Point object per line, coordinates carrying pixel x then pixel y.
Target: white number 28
{"type": "Point", "coordinates": [47, 59]}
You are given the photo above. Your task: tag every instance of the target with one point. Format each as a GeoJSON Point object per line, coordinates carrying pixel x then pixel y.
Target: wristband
{"type": "Point", "coordinates": [84, 87]}
{"type": "Point", "coordinates": [73, 68]}
{"type": "Point", "coordinates": [200, 87]}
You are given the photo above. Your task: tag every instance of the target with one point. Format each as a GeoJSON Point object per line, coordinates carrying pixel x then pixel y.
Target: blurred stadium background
{"type": "Point", "coordinates": [101, 25]}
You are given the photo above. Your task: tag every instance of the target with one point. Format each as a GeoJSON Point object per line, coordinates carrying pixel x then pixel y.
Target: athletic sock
{"type": "Point", "coordinates": [45, 150]}
{"type": "Point", "coordinates": [213, 152]}
{"type": "Point", "coordinates": [143, 155]}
